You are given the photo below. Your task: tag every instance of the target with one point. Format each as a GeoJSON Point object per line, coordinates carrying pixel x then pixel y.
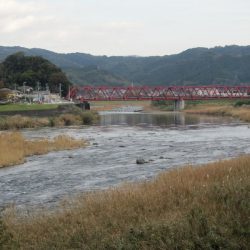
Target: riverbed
{"type": "Point", "coordinates": [164, 141]}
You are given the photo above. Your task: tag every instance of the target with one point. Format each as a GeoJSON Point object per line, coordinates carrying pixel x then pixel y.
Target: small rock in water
{"type": "Point", "coordinates": [95, 143]}
{"type": "Point", "coordinates": [161, 157]}
{"type": "Point", "coordinates": [140, 161]}
{"type": "Point", "coordinates": [70, 156]}
{"type": "Point", "coordinates": [122, 146]}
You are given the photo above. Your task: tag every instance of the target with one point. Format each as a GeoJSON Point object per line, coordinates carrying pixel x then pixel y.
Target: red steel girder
{"type": "Point", "coordinates": [103, 93]}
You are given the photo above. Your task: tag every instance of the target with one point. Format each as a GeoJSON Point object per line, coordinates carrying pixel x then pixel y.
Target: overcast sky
{"type": "Point", "coordinates": [124, 27]}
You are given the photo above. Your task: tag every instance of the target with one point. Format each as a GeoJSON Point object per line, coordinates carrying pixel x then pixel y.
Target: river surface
{"type": "Point", "coordinates": [164, 140]}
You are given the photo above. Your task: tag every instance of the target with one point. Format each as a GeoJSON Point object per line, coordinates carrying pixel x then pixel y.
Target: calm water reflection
{"type": "Point", "coordinates": [162, 119]}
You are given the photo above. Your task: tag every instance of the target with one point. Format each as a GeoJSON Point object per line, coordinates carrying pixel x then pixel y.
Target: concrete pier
{"type": "Point", "coordinates": [179, 104]}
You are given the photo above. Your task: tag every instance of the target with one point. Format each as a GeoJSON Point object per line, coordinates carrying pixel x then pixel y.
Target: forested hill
{"type": "Point", "coordinates": [219, 65]}
{"type": "Point", "coordinates": [18, 68]}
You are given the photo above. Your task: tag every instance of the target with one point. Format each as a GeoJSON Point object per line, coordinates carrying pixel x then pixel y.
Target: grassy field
{"type": "Point", "coordinates": [203, 207]}
{"type": "Point", "coordinates": [14, 147]}
{"type": "Point", "coordinates": [25, 107]}
{"type": "Point", "coordinates": [216, 102]}
{"type": "Point", "coordinates": [242, 113]}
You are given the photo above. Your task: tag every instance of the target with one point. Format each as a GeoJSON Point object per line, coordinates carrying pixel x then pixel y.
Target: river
{"type": "Point", "coordinates": [163, 140]}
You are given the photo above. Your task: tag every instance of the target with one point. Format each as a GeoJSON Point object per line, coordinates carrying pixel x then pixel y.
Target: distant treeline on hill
{"type": "Point", "coordinates": [17, 69]}
{"type": "Point", "coordinates": [228, 65]}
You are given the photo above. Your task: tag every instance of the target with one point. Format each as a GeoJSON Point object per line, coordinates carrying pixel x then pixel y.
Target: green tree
{"type": "Point", "coordinates": [18, 68]}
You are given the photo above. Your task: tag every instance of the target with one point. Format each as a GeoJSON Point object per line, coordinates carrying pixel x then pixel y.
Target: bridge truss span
{"type": "Point", "coordinates": [91, 93]}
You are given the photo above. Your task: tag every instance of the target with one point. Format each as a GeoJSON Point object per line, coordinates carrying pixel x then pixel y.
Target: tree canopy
{"type": "Point", "coordinates": [17, 69]}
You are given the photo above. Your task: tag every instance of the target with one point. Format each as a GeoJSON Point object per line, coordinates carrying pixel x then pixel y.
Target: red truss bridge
{"type": "Point", "coordinates": [175, 93]}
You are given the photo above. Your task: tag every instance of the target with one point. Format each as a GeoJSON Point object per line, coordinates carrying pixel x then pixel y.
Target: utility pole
{"type": "Point", "coordinates": [38, 88]}
{"type": "Point", "coordinates": [69, 94]}
{"type": "Point", "coordinates": [24, 90]}
{"type": "Point", "coordinates": [47, 87]}
{"type": "Point", "coordinates": [48, 92]}
{"type": "Point", "coordinates": [60, 90]}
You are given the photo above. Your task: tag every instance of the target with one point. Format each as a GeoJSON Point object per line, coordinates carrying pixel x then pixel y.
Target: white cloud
{"type": "Point", "coordinates": [17, 24]}
{"type": "Point", "coordinates": [16, 15]}
{"type": "Point", "coordinates": [10, 7]}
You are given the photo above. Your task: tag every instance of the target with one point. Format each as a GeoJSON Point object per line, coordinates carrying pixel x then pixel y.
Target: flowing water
{"type": "Point", "coordinates": [163, 140]}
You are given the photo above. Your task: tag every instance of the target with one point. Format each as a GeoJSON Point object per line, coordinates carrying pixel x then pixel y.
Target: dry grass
{"type": "Point", "coordinates": [19, 122]}
{"type": "Point", "coordinates": [243, 113]}
{"type": "Point", "coordinates": [191, 208]}
{"type": "Point", "coordinates": [110, 105]}
{"type": "Point", "coordinates": [14, 147]}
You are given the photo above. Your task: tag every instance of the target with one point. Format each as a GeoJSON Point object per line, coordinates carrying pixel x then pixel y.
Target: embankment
{"type": "Point", "coordinates": [191, 208]}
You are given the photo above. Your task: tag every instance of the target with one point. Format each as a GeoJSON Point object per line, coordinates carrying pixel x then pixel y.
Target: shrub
{"type": "Point", "coordinates": [241, 103]}
{"type": "Point", "coordinates": [69, 119]}
{"type": "Point", "coordinates": [89, 117]}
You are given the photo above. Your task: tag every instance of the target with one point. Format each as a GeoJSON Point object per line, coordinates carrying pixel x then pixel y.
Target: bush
{"type": "Point", "coordinates": [89, 117]}
{"type": "Point", "coordinates": [69, 119]}
{"type": "Point", "coordinates": [241, 103]}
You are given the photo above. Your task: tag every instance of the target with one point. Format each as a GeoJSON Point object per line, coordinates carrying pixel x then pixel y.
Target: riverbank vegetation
{"type": "Point", "coordinates": [163, 105]}
{"type": "Point", "coordinates": [14, 147]}
{"type": "Point", "coordinates": [191, 208]}
{"type": "Point", "coordinates": [67, 119]}
{"type": "Point", "coordinates": [238, 109]}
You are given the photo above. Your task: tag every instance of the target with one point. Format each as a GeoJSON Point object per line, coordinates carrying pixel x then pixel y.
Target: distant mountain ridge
{"type": "Point", "coordinates": [218, 65]}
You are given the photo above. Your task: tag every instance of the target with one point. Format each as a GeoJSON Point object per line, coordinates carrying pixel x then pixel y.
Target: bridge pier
{"type": "Point", "coordinates": [179, 104]}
